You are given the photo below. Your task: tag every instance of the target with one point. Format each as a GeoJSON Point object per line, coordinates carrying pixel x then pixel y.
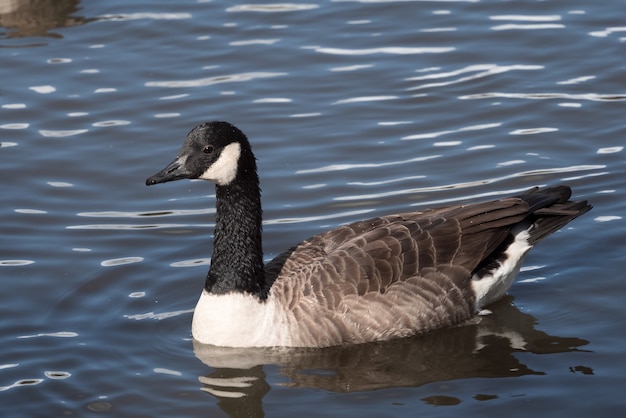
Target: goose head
{"type": "Point", "coordinates": [214, 151]}
{"type": "Point", "coordinates": [219, 152]}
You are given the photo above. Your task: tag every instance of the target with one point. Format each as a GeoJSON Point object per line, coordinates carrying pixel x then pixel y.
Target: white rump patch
{"type": "Point", "coordinates": [492, 287]}
{"type": "Point", "coordinates": [224, 170]}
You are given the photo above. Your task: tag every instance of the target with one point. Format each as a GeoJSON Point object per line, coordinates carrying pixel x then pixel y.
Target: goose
{"type": "Point", "coordinates": [373, 280]}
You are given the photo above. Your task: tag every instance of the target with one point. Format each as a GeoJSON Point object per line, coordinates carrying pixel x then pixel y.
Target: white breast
{"type": "Point", "coordinates": [238, 320]}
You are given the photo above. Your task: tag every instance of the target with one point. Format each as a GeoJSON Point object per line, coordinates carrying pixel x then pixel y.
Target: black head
{"type": "Point", "coordinates": [215, 151]}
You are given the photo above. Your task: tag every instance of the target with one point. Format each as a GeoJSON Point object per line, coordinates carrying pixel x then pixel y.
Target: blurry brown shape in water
{"type": "Point", "coordinates": [24, 18]}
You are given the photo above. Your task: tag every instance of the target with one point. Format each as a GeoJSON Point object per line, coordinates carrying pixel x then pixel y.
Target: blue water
{"type": "Point", "coordinates": [354, 109]}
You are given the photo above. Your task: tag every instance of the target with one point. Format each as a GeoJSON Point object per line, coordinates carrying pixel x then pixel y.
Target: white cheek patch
{"type": "Point", "coordinates": [224, 170]}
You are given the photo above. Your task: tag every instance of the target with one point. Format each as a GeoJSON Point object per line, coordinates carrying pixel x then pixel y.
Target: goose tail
{"type": "Point", "coordinates": [550, 210]}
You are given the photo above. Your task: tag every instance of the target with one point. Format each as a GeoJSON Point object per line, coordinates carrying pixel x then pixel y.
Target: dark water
{"type": "Point", "coordinates": [354, 109]}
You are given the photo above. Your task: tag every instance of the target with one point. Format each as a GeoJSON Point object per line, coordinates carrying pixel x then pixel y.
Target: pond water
{"type": "Point", "coordinates": [354, 109]}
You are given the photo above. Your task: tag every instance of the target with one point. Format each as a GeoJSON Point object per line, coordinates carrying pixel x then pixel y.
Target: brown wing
{"type": "Point", "coordinates": [391, 276]}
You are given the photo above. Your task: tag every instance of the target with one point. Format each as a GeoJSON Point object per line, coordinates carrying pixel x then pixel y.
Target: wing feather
{"type": "Point", "coordinates": [390, 276]}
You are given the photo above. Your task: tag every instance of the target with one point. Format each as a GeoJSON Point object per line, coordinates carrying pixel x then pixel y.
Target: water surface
{"type": "Point", "coordinates": [354, 109]}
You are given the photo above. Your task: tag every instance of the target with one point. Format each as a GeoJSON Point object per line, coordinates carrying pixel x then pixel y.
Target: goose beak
{"type": "Point", "coordinates": [175, 170]}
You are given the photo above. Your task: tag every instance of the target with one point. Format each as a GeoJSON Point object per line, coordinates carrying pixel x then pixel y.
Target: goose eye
{"type": "Point", "coordinates": [208, 149]}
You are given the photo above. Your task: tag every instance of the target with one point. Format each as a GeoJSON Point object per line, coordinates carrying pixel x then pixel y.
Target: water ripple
{"type": "Point", "coordinates": [610, 150]}
{"type": "Point", "coordinates": [175, 96]}
{"type": "Point", "coordinates": [192, 263]}
{"type": "Point", "coordinates": [107, 123]}
{"type": "Point", "coordinates": [431, 30]}
{"type": "Point", "coordinates": [59, 184]}
{"type": "Point", "coordinates": [510, 163]}
{"type": "Point", "coordinates": [254, 42]}
{"type": "Point", "coordinates": [535, 26]}
{"type": "Point", "coordinates": [396, 1]}
{"type": "Point", "coordinates": [56, 374]}
{"type": "Point", "coordinates": [608, 31]}
{"type": "Point", "coordinates": [62, 133]}
{"type": "Point", "coordinates": [298, 220]}
{"type": "Point", "coordinates": [22, 382]}
{"type": "Point", "coordinates": [167, 371]}
{"type": "Point", "coordinates": [582, 176]}
{"type": "Point", "coordinates": [532, 131]}
{"type": "Point", "coordinates": [365, 99]}
{"type": "Point", "coordinates": [447, 143]}
{"type": "Point", "coordinates": [203, 82]}
{"type": "Point", "coordinates": [470, 184]}
{"type": "Point", "coordinates": [341, 167]}
{"type": "Point", "coordinates": [136, 295]}
{"type": "Point", "coordinates": [135, 215]}
{"type": "Point", "coordinates": [384, 182]}
{"type": "Point", "coordinates": [352, 67]}
{"type": "Point", "coordinates": [608, 218]}
{"type": "Point", "coordinates": [121, 261]}
{"type": "Point", "coordinates": [58, 60]}
{"type": "Point", "coordinates": [31, 211]}
{"type": "Point", "coordinates": [60, 334]}
{"type": "Point", "coordinates": [527, 18]}
{"type": "Point", "coordinates": [158, 316]}
{"type": "Point", "coordinates": [381, 50]}
{"type": "Point", "coordinates": [479, 147]}
{"type": "Point", "coordinates": [47, 89]}
{"type": "Point", "coordinates": [129, 227]}
{"type": "Point", "coordinates": [15, 126]}
{"type": "Point", "coordinates": [304, 115]}
{"type": "Point", "coordinates": [480, 70]}
{"type": "Point", "coordinates": [576, 80]}
{"type": "Point", "coordinates": [174, 225]}
{"type": "Point", "coordinates": [12, 263]}
{"type": "Point", "coordinates": [440, 133]}
{"type": "Point", "coordinates": [275, 7]}
{"type": "Point", "coordinates": [544, 96]}
{"type": "Point", "coordinates": [273, 100]}
{"type": "Point", "coordinates": [216, 385]}
{"type": "Point", "coordinates": [149, 16]}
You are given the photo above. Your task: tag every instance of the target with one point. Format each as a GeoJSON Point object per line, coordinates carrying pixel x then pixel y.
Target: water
{"type": "Point", "coordinates": [354, 109]}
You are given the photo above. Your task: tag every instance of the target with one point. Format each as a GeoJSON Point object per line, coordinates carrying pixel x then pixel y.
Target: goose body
{"type": "Point", "coordinates": [373, 280]}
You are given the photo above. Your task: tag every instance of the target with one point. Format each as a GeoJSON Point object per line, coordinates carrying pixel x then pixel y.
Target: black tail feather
{"type": "Point", "coordinates": [551, 210]}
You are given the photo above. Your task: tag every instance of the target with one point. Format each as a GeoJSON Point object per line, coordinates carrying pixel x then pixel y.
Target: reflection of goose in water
{"type": "Point", "coordinates": [484, 349]}
{"type": "Point", "coordinates": [38, 17]}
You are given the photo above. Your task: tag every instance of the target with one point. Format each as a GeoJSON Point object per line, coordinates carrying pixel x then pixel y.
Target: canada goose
{"type": "Point", "coordinates": [373, 280]}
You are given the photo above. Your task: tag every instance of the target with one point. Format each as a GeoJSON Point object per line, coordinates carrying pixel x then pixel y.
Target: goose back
{"type": "Point", "coordinates": [397, 275]}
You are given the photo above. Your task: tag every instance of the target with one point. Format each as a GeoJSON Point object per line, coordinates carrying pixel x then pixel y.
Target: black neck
{"type": "Point", "coordinates": [237, 260]}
